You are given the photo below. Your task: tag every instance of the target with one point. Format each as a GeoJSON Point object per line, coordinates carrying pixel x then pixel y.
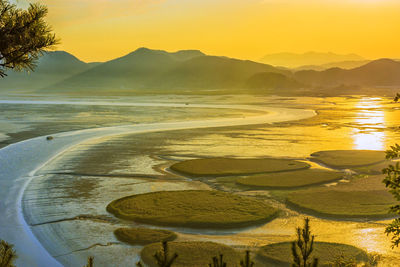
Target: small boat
{"type": "Point", "coordinates": [48, 138]}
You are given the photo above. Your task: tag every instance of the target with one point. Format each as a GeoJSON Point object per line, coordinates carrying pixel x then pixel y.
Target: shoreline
{"type": "Point", "coordinates": [23, 159]}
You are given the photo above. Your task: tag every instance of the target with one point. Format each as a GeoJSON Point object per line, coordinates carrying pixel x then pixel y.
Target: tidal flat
{"type": "Point", "coordinates": [66, 203]}
{"type": "Point", "coordinates": [23, 118]}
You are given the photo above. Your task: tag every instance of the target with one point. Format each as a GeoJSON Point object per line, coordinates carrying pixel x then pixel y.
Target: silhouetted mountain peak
{"type": "Point", "coordinates": [59, 57]}
{"type": "Point", "coordinates": [143, 50]}
{"type": "Point", "coordinates": [178, 55]}
{"type": "Point", "coordinates": [187, 54]}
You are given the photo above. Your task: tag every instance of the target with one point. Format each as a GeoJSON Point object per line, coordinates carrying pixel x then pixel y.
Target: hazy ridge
{"type": "Point", "coordinates": [51, 68]}
{"type": "Point", "coordinates": [381, 72]}
{"type": "Point", "coordinates": [154, 69]}
{"type": "Point", "coordinates": [293, 60]}
{"type": "Point", "coordinates": [348, 64]}
{"type": "Point", "coordinates": [191, 70]}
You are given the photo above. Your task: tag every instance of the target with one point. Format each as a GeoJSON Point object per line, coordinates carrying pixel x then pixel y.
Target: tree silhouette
{"type": "Point", "coordinates": [392, 181]}
{"type": "Point", "coordinates": [303, 247]}
{"type": "Point", "coordinates": [218, 262]}
{"type": "Point", "coordinates": [24, 36]}
{"type": "Point", "coordinates": [162, 257]}
{"type": "Point", "coordinates": [7, 254]}
{"type": "Point", "coordinates": [247, 262]}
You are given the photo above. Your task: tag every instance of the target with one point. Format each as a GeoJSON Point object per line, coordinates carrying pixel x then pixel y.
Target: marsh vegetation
{"type": "Point", "coordinates": [230, 166]}
{"type": "Point", "coordinates": [342, 159]}
{"type": "Point", "coordinates": [357, 198]}
{"type": "Point", "coordinates": [193, 209]}
{"type": "Point", "coordinates": [293, 179]}
{"type": "Point", "coordinates": [143, 236]}
{"type": "Point", "coordinates": [196, 254]}
{"type": "Point", "coordinates": [280, 254]}
{"type": "Point", "coordinates": [343, 204]}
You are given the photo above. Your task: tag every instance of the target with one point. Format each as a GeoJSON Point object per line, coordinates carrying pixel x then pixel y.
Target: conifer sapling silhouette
{"type": "Point", "coordinates": [218, 262]}
{"type": "Point", "coordinates": [162, 257]}
{"type": "Point", "coordinates": [247, 262]}
{"type": "Point", "coordinates": [303, 247]}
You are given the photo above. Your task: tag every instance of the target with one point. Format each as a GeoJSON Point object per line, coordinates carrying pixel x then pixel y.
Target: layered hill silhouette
{"type": "Point", "coordinates": [269, 80]}
{"type": "Point", "coordinates": [156, 69]}
{"type": "Point", "coordinates": [191, 71]}
{"type": "Point", "coordinates": [292, 60]}
{"type": "Point", "coordinates": [348, 64]}
{"type": "Point", "coordinates": [51, 68]}
{"type": "Point", "coordinates": [382, 72]}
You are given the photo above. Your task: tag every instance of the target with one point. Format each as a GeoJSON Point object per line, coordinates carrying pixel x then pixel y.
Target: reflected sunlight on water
{"type": "Point", "coordinates": [371, 121]}
{"type": "Point", "coordinates": [371, 240]}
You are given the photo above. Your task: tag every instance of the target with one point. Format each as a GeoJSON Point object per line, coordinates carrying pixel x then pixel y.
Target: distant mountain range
{"type": "Point", "coordinates": [349, 64]}
{"type": "Point", "coordinates": [52, 67]}
{"type": "Point", "coordinates": [292, 60]}
{"type": "Point", "coordinates": [159, 70]}
{"type": "Point", "coordinates": [381, 72]}
{"type": "Point", "coordinates": [193, 71]}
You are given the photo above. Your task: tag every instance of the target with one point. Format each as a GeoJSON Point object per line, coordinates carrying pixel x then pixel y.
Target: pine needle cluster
{"type": "Point", "coordinates": [24, 36]}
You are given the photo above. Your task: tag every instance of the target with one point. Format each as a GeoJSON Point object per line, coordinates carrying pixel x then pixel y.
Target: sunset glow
{"type": "Point", "coordinates": [100, 30]}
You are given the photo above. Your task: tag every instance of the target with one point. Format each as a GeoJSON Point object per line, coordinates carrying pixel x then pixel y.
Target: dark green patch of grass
{"type": "Point", "coordinates": [280, 254]}
{"type": "Point", "coordinates": [193, 209]}
{"type": "Point", "coordinates": [228, 166]}
{"type": "Point", "coordinates": [373, 169]}
{"type": "Point", "coordinates": [143, 236]}
{"type": "Point", "coordinates": [193, 254]}
{"type": "Point", "coordinates": [343, 204]}
{"type": "Point", "coordinates": [291, 179]}
{"type": "Point", "coordinates": [348, 158]}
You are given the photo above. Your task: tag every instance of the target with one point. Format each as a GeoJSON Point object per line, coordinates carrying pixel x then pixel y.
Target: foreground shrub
{"type": "Point", "coordinates": [303, 247]}
{"type": "Point", "coordinates": [7, 254]}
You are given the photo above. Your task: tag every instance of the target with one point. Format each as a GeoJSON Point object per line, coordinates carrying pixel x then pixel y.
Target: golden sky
{"type": "Point", "coordinates": [98, 30]}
